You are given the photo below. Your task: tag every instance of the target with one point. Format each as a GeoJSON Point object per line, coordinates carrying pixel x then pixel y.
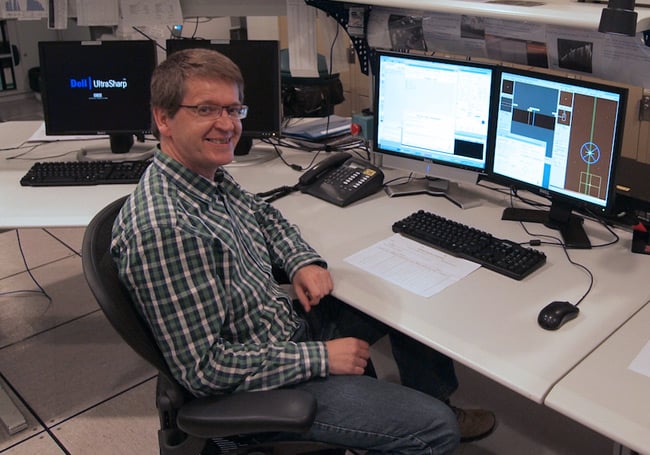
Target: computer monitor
{"type": "Point", "coordinates": [98, 88]}
{"type": "Point", "coordinates": [559, 137]}
{"type": "Point", "coordinates": [432, 117]}
{"type": "Point", "coordinates": [259, 62]}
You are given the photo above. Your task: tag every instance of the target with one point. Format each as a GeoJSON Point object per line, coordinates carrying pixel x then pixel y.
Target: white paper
{"type": "Point", "coordinates": [147, 12]}
{"type": "Point", "coordinates": [23, 9]}
{"type": "Point", "coordinates": [97, 12]}
{"type": "Point", "coordinates": [413, 266]}
{"type": "Point", "coordinates": [301, 28]}
{"type": "Point", "coordinates": [641, 363]}
{"type": "Point", "coordinates": [57, 18]}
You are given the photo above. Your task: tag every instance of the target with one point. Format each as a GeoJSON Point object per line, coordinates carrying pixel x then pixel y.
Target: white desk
{"type": "Point", "coordinates": [53, 206]}
{"type": "Point", "coordinates": [485, 321]}
{"type": "Point", "coordinates": [603, 394]}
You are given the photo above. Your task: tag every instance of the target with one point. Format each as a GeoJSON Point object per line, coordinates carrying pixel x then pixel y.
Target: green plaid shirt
{"type": "Point", "coordinates": [196, 256]}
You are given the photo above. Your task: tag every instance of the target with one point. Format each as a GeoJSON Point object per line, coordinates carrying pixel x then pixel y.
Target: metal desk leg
{"type": "Point", "coordinates": [10, 414]}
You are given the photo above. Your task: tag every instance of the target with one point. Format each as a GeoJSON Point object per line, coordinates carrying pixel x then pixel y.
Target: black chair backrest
{"type": "Point", "coordinates": [111, 295]}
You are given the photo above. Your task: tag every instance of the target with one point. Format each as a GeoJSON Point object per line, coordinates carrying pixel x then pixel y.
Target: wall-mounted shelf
{"type": "Point", "coordinates": [568, 13]}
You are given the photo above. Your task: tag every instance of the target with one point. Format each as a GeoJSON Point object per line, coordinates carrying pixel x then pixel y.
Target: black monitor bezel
{"type": "Point", "coordinates": [146, 49]}
{"type": "Point", "coordinates": [233, 49]}
{"type": "Point", "coordinates": [478, 170]}
{"type": "Point", "coordinates": [555, 197]}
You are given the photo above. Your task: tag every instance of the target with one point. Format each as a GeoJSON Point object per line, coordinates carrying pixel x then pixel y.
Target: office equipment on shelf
{"type": "Point", "coordinates": [98, 88]}
{"type": "Point", "coordinates": [319, 128]}
{"type": "Point", "coordinates": [77, 173]}
{"type": "Point", "coordinates": [342, 179]}
{"type": "Point", "coordinates": [432, 117]}
{"type": "Point", "coordinates": [500, 255]}
{"type": "Point", "coordinates": [309, 96]}
{"type": "Point", "coordinates": [558, 137]}
{"type": "Point", "coordinates": [259, 62]}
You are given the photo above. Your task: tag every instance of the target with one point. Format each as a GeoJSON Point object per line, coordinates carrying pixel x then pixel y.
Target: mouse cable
{"type": "Point", "coordinates": [558, 242]}
{"type": "Point", "coordinates": [607, 226]}
{"type": "Point", "coordinates": [513, 193]}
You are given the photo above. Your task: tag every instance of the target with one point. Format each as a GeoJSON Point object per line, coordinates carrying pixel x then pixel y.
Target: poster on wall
{"type": "Point", "coordinates": [606, 56]}
{"type": "Point", "coordinates": [23, 9]}
{"type": "Point", "coordinates": [610, 57]}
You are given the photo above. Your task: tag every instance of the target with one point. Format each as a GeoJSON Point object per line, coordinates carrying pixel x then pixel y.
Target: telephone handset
{"type": "Point", "coordinates": [342, 179]}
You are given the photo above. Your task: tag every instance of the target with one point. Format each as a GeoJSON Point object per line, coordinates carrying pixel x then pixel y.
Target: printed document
{"type": "Point", "coordinates": [413, 266]}
{"type": "Point", "coordinates": [641, 363]}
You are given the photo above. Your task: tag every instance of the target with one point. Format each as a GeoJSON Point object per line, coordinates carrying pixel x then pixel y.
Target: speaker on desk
{"type": "Point", "coordinates": [632, 186]}
{"type": "Point", "coordinates": [309, 96]}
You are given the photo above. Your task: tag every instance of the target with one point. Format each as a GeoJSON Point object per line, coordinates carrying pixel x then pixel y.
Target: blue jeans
{"type": "Point", "coordinates": [378, 416]}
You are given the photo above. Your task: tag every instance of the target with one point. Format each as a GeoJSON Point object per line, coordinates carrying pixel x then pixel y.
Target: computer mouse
{"type": "Point", "coordinates": [555, 314]}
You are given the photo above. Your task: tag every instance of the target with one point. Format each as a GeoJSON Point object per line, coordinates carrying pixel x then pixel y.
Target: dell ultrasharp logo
{"type": "Point", "coordinates": [81, 83]}
{"type": "Point", "coordinates": [90, 83]}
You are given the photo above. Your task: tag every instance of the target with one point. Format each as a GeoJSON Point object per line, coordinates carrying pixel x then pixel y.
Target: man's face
{"type": "Point", "coordinates": [201, 144]}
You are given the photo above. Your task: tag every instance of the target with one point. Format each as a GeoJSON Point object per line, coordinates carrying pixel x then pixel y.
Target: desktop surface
{"type": "Point", "coordinates": [486, 321]}
{"type": "Point", "coordinates": [604, 394]}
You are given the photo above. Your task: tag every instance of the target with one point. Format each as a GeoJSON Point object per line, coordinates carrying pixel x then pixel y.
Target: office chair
{"type": "Point", "coordinates": [189, 425]}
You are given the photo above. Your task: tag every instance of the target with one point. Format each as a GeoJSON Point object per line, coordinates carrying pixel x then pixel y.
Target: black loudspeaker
{"type": "Point", "coordinates": [632, 185]}
{"type": "Point", "coordinates": [311, 96]}
{"type": "Point", "coordinates": [34, 76]}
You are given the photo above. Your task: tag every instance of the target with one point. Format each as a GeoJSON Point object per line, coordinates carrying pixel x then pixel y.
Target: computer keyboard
{"type": "Point", "coordinates": [502, 256]}
{"type": "Point", "coordinates": [75, 173]}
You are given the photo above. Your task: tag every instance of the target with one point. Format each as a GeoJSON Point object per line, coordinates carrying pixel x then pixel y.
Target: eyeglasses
{"type": "Point", "coordinates": [213, 111]}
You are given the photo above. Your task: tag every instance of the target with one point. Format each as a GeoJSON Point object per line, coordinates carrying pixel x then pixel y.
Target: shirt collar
{"type": "Point", "coordinates": [187, 179]}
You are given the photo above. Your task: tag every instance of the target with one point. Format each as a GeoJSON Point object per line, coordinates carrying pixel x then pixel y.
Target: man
{"type": "Point", "coordinates": [196, 252]}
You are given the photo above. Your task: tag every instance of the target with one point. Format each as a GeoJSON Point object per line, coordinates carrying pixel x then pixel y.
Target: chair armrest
{"type": "Point", "coordinates": [248, 412]}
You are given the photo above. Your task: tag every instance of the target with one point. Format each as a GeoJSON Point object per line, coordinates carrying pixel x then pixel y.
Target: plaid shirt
{"type": "Point", "coordinates": [196, 257]}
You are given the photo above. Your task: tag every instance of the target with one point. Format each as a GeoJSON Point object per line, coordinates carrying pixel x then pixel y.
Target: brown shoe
{"type": "Point", "coordinates": [474, 424]}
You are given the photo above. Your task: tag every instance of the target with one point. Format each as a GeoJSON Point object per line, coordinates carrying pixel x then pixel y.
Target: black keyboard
{"type": "Point", "coordinates": [502, 256]}
{"type": "Point", "coordinates": [74, 173]}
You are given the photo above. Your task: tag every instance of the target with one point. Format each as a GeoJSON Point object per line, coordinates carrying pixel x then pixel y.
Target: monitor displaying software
{"type": "Point", "coordinates": [559, 134]}
{"type": "Point", "coordinates": [559, 137]}
{"type": "Point", "coordinates": [433, 110]}
{"type": "Point", "coordinates": [97, 87]}
{"type": "Point", "coordinates": [432, 116]}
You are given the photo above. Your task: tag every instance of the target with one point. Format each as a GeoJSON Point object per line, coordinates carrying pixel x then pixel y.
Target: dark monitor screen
{"type": "Point", "coordinates": [432, 115]}
{"type": "Point", "coordinates": [259, 62]}
{"type": "Point", "coordinates": [559, 137]}
{"type": "Point", "coordinates": [97, 88]}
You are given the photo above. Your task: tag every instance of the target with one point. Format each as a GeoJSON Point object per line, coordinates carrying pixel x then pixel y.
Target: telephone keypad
{"type": "Point", "coordinates": [347, 179]}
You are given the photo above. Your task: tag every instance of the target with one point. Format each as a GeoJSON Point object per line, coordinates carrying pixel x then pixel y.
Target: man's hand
{"type": "Point", "coordinates": [311, 283]}
{"type": "Point", "coordinates": [347, 355]}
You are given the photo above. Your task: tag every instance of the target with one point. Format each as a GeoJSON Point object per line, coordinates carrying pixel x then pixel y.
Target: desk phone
{"type": "Point", "coordinates": [342, 179]}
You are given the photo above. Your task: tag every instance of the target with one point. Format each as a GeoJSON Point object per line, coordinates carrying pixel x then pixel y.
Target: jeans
{"type": "Point", "coordinates": [378, 416]}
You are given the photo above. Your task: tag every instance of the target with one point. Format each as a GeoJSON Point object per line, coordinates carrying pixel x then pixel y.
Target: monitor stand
{"type": "Point", "coordinates": [559, 218]}
{"type": "Point", "coordinates": [255, 153]}
{"type": "Point", "coordinates": [435, 187]}
{"type": "Point", "coordinates": [122, 148]}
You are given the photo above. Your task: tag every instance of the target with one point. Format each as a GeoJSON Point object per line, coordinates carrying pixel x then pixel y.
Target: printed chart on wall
{"type": "Point", "coordinates": [23, 9]}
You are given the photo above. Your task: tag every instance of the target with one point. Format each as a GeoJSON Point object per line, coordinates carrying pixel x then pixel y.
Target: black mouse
{"type": "Point", "coordinates": [555, 314]}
